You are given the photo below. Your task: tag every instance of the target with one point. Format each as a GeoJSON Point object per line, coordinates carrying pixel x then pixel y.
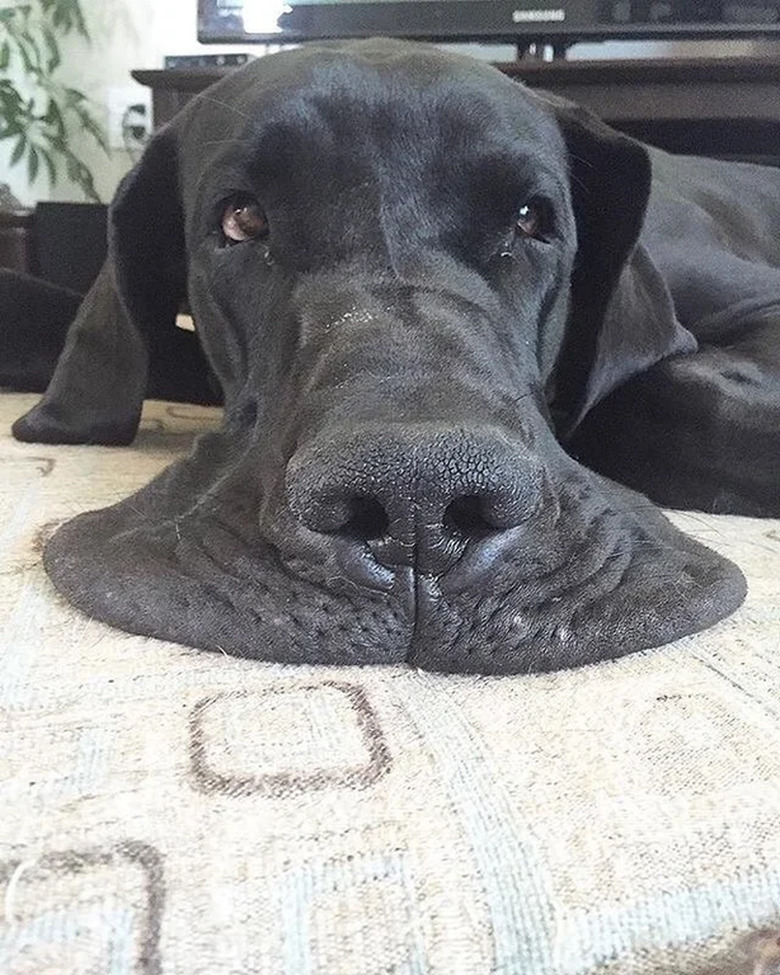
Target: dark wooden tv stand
{"type": "Point", "coordinates": [727, 107]}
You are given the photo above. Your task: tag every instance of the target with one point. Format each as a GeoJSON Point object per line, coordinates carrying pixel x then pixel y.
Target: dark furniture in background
{"type": "Point", "coordinates": [726, 107]}
{"type": "Point", "coordinates": [70, 243]}
{"type": "Point", "coordinates": [64, 243]}
{"type": "Point", "coordinates": [16, 239]}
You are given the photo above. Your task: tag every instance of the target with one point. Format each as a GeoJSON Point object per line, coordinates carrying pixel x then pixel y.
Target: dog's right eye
{"type": "Point", "coordinates": [243, 219]}
{"type": "Point", "coordinates": [535, 220]}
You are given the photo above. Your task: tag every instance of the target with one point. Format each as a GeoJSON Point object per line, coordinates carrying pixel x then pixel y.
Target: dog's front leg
{"type": "Point", "coordinates": [98, 386]}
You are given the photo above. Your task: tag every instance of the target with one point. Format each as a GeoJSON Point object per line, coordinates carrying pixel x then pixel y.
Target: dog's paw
{"type": "Point", "coordinates": [45, 424]}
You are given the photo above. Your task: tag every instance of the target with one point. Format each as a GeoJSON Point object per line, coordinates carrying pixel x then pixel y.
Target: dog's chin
{"type": "Point", "coordinates": [603, 575]}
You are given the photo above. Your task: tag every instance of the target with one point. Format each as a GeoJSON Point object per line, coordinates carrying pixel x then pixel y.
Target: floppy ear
{"type": "Point", "coordinates": [98, 386]}
{"type": "Point", "coordinates": [621, 318]}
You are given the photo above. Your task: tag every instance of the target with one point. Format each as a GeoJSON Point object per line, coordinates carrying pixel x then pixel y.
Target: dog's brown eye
{"type": "Point", "coordinates": [244, 219]}
{"type": "Point", "coordinates": [532, 220]}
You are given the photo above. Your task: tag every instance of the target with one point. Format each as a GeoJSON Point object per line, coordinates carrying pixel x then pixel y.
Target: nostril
{"type": "Point", "coordinates": [466, 516]}
{"type": "Point", "coordinates": [365, 519]}
{"type": "Point", "coordinates": [369, 519]}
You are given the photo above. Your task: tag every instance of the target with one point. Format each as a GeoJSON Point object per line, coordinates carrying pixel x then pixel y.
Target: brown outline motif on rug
{"type": "Point", "coordinates": [279, 784]}
{"type": "Point", "coordinates": [43, 465]}
{"type": "Point", "coordinates": [135, 852]}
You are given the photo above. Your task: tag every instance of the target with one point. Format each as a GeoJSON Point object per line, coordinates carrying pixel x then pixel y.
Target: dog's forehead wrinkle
{"type": "Point", "coordinates": [404, 91]}
{"type": "Point", "coordinates": [385, 103]}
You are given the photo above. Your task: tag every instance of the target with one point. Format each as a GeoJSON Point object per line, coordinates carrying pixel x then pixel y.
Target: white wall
{"type": "Point", "coordinates": [126, 34]}
{"type": "Point", "coordinates": [129, 34]}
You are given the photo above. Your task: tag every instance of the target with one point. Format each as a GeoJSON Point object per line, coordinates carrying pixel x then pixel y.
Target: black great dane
{"type": "Point", "coordinates": [459, 326]}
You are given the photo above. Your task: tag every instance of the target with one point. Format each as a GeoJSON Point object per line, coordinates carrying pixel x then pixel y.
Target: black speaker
{"type": "Point", "coordinates": [69, 243]}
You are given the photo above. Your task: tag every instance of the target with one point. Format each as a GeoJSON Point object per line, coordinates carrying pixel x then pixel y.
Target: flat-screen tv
{"type": "Point", "coordinates": [280, 21]}
{"type": "Point", "coordinates": [501, 21]}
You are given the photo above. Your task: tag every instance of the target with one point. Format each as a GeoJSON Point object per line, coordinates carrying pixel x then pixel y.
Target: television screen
{"type": "Point", "coordinates": [282, 21]}
{"type": "Point", "coordinates": [505, 21]}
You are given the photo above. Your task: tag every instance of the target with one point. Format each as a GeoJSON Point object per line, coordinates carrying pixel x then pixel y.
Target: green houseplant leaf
{"type": "Point", "coordinates": [43, 125]}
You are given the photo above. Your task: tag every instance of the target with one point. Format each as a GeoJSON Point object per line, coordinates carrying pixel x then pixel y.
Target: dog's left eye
{"type": "Point", "coordinates": [534, 219]}
{"type": "Point", "coordinates": [244, 219]}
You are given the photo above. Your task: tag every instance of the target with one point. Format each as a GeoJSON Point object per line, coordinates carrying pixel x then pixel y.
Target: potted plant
{"type": "Point", "coordinates": [37, 110]}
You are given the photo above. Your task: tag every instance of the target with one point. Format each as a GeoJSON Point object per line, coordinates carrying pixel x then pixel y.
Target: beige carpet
{"type": "Point", "coordinates": [167, 810]}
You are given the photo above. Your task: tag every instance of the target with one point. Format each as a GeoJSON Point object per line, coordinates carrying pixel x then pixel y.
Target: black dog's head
{"type": "Point", "coordinates": [412, 277]}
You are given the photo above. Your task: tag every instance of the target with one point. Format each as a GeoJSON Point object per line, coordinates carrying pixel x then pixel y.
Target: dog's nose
{"type": "Point", "coordinates": [415, 497]}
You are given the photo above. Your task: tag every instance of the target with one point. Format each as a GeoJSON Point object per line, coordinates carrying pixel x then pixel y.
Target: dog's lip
{"type": "Point", "coordinates": [566, 576]}
{"type": "Point", "coordinates": [359, 564]}
{"type": "Point", "coordinates": [478, 560]}
{"type": "Point", "coordinates": [362, 563]}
